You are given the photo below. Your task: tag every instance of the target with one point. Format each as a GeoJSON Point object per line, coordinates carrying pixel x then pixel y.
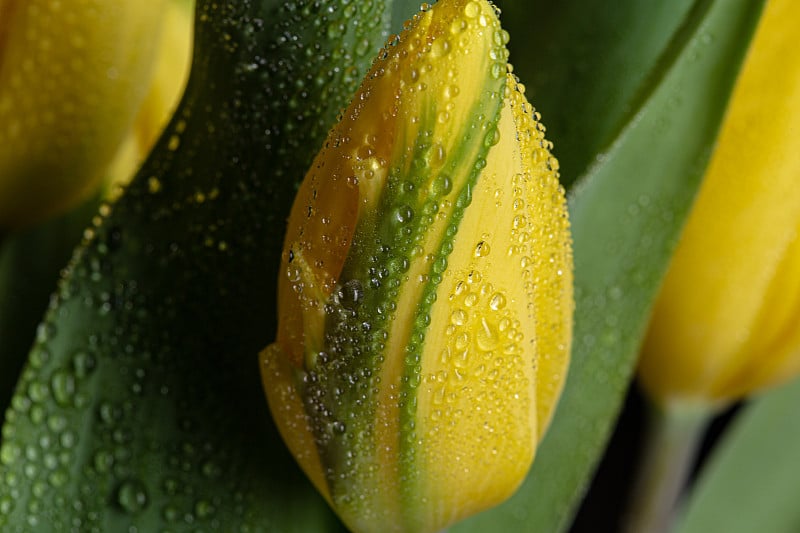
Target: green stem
{"type": "Point", "coordinates": [673, 437]}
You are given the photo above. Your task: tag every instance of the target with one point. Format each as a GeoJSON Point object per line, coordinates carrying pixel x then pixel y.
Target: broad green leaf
{"type": "Point", "coordinates": [141, 404]}
{"type": "Point", "coordinates": [756, 467]}
{"type": "Point", "coordinates": [587, 65]}
{"type": "Point", "coordinates": [626, 214]}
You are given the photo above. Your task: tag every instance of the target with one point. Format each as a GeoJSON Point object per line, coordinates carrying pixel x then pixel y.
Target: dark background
{"type": "Point", "coordinates": [605, 503]}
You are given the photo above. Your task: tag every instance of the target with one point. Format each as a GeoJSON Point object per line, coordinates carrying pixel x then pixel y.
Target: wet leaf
{"type": "Point", "coordinates": [141, 404]}
{"type": "Point", "coordinates": [588, 66]}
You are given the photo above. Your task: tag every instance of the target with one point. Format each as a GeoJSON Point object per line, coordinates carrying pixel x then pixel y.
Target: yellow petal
{"type": "Point", "coordinates": [497, 349]}
{"type": "Point", "coordinates": [72, 75]}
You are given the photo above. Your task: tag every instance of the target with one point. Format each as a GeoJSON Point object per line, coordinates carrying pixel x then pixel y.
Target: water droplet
{"type": "Point", "coordinates": [132, 496]}
{"type": "Point", "coordinates": [351, 294]}
{"type": "Point", "coordinates": [153, 185]}
{"type": "Point", "coordinates": [492, 138]}
{"type": "Point", "coordinates": [462, 341]}
{"type": "Point", "coordinates": [336, 30]}
{"type": "Point", "coordinates": [441, 186]}
{"type": "Point", "coordinates": [440, 265]}
{"type": "Point", "coordinates": [403, 214]}
{"type": "Point", "coordinates": [9, 453]}
{"type": "Point", "coordinates": [362, 47]}
{"type": "Point", "coordinates": [497, 302]}
{"type": "Point", "coordinates": [57, 423]}
{"type": "Point", "coordinates": [171, 513]}
{"type": "Point", "coordinates": [173, 143]}
{"type": "Point", "coordinates": [58, 478]}
{"type": "Point", "coordinates": [203, 509]}
{"type": "Point", "coordinates": [211, 469]}
{"type": "Point", "coordinates": [6, 505]}
{"type": "Point", "coordinates": [67, 439]}
{"type": "Point", "coordinates": [482, 249]}
{"type": "Point", "coordinates": [39, 356]}
{"type": "Point", "coordinates": [44, 332]}
{"type": "Point", "coordinates": [486, 336]}
{"type": "Point", "coordinates": [62, 383]}
{"type": "Point", "coordinates": [458, 317]}
{"type": "Point", "coordinates": [103, 460]}
{"type": "Point", "coordinates": [497, 70]}
{"type": "Point", "coordinates": [83, 364]}
{"type": "Point", "coordinates": [37, 392]}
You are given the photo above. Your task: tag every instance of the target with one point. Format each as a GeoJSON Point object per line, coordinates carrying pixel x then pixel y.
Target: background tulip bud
{"type": "Point", "coordinates": [426, 295]}
{"type": "Point", "coordinates": [72, 76]}
{"type": "Point", "coordinates": [725, 323]}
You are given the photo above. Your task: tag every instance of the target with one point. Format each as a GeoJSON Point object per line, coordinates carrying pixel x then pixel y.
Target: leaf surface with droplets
{"type": "Point", "coordinates": [140, 404]}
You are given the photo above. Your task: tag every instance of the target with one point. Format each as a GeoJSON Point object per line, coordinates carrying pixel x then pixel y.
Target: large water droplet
{"type": "Point", "coordinates": [62, 384]}
{"type": "Point", "coordinates": [441, 186]}
{"type": "Point", "coordinates": [472, 9]}
{"type": "Point", "coordinates": [351, 294]}
{"type": "Point", "coordinates": [132, 496]}
{"type": "Point", "coordinates": [9, 453]}
{"type": "Point", "coordinates": [83, 364]}
{"type": "Point", "coordinates": [497, 302]}
{"type": "Point", "coordinates": [458, 317]}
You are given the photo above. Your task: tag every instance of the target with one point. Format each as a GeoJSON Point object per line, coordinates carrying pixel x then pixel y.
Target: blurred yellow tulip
{"type": "Point", "coordinates": [426, 290]}
{"type": "Point", "coordinates": [726, 322]}
{"type": "Point", "coordinates": [73, 76]}
{"type": "Point", "coordinates": [171, 72]}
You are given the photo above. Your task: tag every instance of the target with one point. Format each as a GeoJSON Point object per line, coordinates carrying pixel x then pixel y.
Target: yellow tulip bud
{"type": "Point", "coordinates": [425, 300]}
{"type": "Point", "coordinates": [72, 76]}
{"type": "Point", "coordinates": [726, 322]}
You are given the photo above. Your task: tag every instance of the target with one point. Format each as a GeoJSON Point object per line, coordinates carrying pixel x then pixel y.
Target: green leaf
{"type": "Point", "coordinates": [626, 214]}
{"type": "Point", "coordinates": [755, 467]}
{"type": "Point", "coordinates": [403, 10]}
{"type": "Point", "coordinates": [587, 66]}
{"type": "Point", "coordinates": [141, 403]}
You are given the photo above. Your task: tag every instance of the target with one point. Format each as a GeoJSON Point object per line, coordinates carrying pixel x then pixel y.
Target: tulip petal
{"type": "Point", "coordinates": [437, 161]}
